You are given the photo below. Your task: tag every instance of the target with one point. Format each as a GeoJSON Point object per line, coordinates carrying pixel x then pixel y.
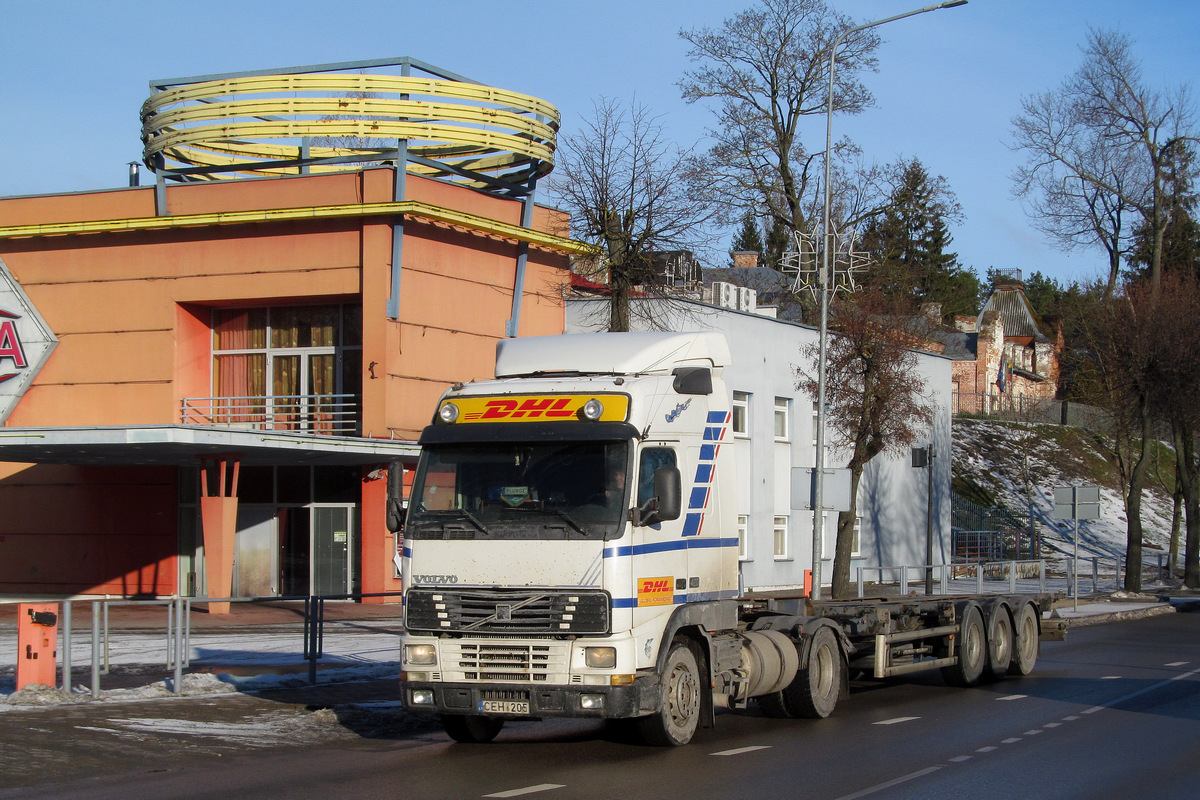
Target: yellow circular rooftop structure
{"type": "Point", "coordinates": [319, 119]}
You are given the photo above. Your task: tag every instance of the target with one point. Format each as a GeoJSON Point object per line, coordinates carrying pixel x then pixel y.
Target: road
{"type": "Point", "coordinates": [1113, 712]}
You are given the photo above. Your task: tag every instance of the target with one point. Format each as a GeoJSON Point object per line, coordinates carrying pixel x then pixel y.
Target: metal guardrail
{"type": "Point", "coordinates": [328, 414]}
{"type": "Point", "coordinates": [179, 627]}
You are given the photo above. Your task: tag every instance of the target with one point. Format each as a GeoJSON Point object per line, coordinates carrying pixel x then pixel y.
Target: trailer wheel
{"type": "Point", "coordinates": [1026, 641]}
{"type": "Point", "coordinates": [1000, 643]}
{"type": "Point", "coordinates": [814, 693]}
{"type": "Point", "coordinates": [675, 722]}
{"type": "Point", "coordinates": [471, 728]}
{"type": "Point", "coordinates": [971, 649]}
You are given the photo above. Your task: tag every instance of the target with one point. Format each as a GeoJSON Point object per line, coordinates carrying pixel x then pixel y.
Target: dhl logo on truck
{"type": "Point", "coordinates": [655, 591]}
{"type": "Point", "coordinates": [538, 408]}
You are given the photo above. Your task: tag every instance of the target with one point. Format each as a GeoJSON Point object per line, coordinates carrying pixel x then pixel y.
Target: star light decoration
{"type": "Point", "coordinates": [803, 260]}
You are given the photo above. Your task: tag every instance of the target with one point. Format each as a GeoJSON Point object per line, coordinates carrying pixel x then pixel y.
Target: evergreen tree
{"type": "Point", "coordinates": [908, 244]}
{"type": "Point", "coordinates": [1181, 238]}
{"type": "Point", "coordinates": [748, 239]}
{"type": "Point", "coordinates": [779, 239]}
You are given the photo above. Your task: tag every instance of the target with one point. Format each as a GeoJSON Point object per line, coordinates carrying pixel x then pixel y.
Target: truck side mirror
{"type": "Point", "coordinates": [395, 496]}
{"type": "Point", "coordinates": [667, 501]}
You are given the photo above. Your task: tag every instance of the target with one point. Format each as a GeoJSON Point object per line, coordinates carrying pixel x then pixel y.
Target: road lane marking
{"type": "Point", "coordinates": [1032, 733]}
{"type": "Point", "coordinates": [1177, 664]}
{"type": "Point", "coordinates": [1013, 740]}
{"type": "Point", "coordinates": [1111, 678]}
{"type": "Point", "coordinates": [959, 759]}
{"type": "Point", "coordinates": [894, 720]}
{"type": "Point", "coordinates": [1013, 697]}
{"type": "Point", "coordinates": [737, 751]}
{"type": "Point", "coordinates": [541, 787]}
{"type": "Point", "coordinates": [987, 749]}
{"type": "Point", "coordinates": [1071, 718]}
{"type": "Point", "coordinates": [889, 784]}
{"type": "Point", "coordinates": [1052, 725]}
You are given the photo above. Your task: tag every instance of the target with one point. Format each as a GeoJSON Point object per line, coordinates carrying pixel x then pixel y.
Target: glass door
{"type": "Point", "coordinates": [332, 550]}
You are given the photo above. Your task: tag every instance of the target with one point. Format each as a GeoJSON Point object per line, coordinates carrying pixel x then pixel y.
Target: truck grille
{"type": "Point", "coordinates": [519, 612]}
{"type": "Point", "coordinates": [505, 662]}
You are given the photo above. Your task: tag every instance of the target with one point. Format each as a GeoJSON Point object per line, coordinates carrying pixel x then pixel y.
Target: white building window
{"type": "Point", "coordinates": [743, 525]}
{"type": "Point", "coordinates": [741, 413]}
{"type": "Point", "coordinates": [781, 538]}
{"type": "Point", "coordinates": [783, 407]}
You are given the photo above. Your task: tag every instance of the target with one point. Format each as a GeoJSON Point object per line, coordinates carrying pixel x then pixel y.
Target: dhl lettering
{"type": "Point", "coordinates": [657, 586]}
{"type": "Point", "coordinates": [534, 408]}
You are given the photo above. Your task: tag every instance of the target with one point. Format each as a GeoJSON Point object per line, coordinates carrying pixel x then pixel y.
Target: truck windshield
{"type": "Point", "coordinates": [507, 490]}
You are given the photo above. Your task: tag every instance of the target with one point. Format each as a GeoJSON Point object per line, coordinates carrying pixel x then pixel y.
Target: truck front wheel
{"type": "Point", "coordinates": [676, 720]}
{"type": "Point", "coordinates": [470, 728]}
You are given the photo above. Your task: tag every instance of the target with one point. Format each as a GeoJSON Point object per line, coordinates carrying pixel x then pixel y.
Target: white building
{"type": "Point", "coordinates": [774, 427]}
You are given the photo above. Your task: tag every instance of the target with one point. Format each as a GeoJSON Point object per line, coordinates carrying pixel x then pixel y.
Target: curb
{"type": "Point", "coordinates": [1117, 616]}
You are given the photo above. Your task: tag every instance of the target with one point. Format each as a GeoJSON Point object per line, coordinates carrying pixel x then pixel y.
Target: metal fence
{"type": "Point", "coordinates": [177, 639]}
{"type": "Point", "coordinates": [1006, 406]}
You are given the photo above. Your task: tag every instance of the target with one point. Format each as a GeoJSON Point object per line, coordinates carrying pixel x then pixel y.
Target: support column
{"type": "Point", "coordinates": [218, 518]}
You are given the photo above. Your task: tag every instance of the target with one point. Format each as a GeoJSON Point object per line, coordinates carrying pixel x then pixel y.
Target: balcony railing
{"type": "Point", "coordinates": [327, 414]}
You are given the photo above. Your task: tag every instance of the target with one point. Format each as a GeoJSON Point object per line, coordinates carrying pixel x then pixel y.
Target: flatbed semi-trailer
{"type": "Point", "coordinates": [571, 550]}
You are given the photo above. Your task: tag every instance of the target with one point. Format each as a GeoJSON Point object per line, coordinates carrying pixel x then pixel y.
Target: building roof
{"type": "Point", "coordinates": [1010, 302]}
{"type": "Point", "coordinates": [182, 445]}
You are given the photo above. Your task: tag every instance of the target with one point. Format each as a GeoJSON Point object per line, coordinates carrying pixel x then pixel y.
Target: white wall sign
{"type": "Point", "coordinates": [26, 342]}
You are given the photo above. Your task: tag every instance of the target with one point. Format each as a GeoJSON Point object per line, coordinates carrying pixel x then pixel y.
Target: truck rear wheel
{"type": "Point", "coordinates": [675, 722]}
{"type": "Point", "coordinates": [471, 728]}
{"type": "Point", "coordinates": [1000, 643]}
{"type": "Point", "coordinates": [1026, 640]}
{"type": "Point", "coordinates": [970, 648]}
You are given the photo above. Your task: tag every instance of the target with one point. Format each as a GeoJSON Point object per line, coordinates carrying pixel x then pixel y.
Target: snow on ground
{"type": "Point", "coordinates": [1007, 458]}
{"type": "Point", "coordinates": [266, 658]}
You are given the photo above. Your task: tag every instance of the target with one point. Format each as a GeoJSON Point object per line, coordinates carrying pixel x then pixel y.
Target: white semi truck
{"type": "Point", "coordinates": [571, 550]}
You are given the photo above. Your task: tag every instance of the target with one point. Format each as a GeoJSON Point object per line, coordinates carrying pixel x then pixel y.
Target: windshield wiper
{"type": "Point", "coordinates": [474, 520]}
{"type": "Point", "coordinates": [557, 512]}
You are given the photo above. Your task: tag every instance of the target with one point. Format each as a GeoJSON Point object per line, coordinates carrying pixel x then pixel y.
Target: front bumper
{"type": "Point", "coordinates": [619, 702]}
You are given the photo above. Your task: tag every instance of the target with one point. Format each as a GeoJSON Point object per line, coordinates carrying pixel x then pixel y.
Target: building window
{"type": "Point", "coordinates": [781, 538]}
{"type": "Point", "coordinates": [783, 407]}
{"type": "Point", "coordinates": [743, 525]}
{"type": "Point", "coordinates": [285, 368]}
{"type": "Point", "coordinates": [741, 412]}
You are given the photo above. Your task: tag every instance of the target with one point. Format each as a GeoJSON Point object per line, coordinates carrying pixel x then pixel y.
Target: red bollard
{"type": "Point", "coordinates": [37, 644]}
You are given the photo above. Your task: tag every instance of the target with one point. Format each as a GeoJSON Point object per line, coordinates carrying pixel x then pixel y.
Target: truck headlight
{"type": "Point", "coordinates": [448, 412]}
{"type": "Point", "coordinates": [600, 657]}
{"type": "Point", "coordinates": [420, 654]}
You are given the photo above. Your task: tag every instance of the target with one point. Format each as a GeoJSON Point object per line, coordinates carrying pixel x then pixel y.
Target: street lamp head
{"type": "Point", "coordinates": [953, 3]}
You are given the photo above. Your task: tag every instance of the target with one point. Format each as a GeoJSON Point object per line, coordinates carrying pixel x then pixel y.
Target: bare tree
{"type": "Point", "coordinates": [766, 68]}
{"type": "Point", "coordinates": [628, 191]}
{"type": "Point", "coordinates": [1099, 147]}
{"type": "Point", "coordinates": [875, 395]}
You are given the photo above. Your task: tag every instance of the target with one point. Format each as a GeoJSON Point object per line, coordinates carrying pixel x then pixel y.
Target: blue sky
{"type": "Point", "coordinates": [949, 82]}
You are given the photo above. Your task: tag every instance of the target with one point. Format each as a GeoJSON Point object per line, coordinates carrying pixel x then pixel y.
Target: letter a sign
{"type": "Point", "coordinates": [25, 342]}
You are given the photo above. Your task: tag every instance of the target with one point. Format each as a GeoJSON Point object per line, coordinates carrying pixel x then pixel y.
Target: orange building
{"type": "Point", "coordinates": [243, 347]}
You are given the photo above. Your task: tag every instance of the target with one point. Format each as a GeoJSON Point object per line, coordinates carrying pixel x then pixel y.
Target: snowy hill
{"type": "Point", "coordinates": [1015, 465]}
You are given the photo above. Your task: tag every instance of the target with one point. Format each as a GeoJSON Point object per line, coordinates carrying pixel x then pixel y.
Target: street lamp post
{"type": "Point", "coordinates": [823, 281]}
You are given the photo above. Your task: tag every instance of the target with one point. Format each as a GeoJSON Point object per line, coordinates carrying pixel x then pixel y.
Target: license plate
{"type": "Point", "coordinates": [504, 706]}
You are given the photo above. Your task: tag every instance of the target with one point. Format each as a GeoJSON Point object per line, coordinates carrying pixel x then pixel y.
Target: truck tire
{"type": "Point", "coordinates": [814, 693]}
{"type": "Point", "coordinates": [971, 648]}
{"type": "Point", "coordinates": [471, 728]}
{"type": "Point", "coordinates": [1026, 640]}
{"type": "Point", "coordinates": [675, 722]}
{"type": "Point", "coordinates": [1000, 643]}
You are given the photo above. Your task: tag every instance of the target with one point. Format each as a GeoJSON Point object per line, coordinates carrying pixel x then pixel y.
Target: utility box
{"type": "Point", "coordinates": [37, 644]}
